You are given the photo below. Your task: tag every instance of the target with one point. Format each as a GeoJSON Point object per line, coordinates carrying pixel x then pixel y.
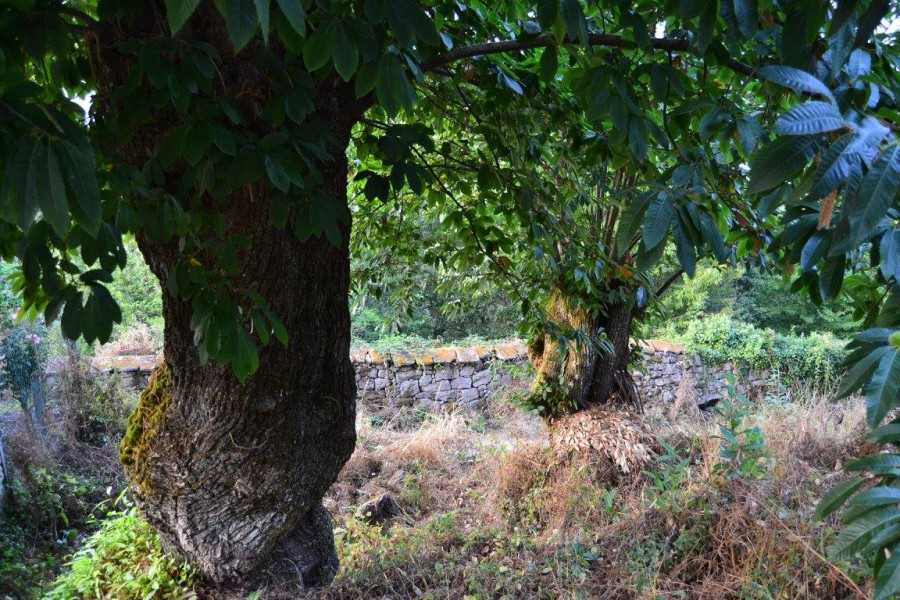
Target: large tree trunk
{"type": "Point", "coordinates": [232, 475]}
{"type": "Point", "coordinates": [573, 376]}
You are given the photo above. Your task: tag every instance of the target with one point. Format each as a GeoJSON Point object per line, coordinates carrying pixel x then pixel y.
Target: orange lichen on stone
{"type": "Point", "coordinates": [444, 355]}
{"type": "Point", "coordinates": [467, 355]}
{"type": "Point", "coordinates": [484, 352]}
{"type": "Point", "coordinates": [510, 351]}
{"type": "Point", "coordinates": [375, 357]}
{"type": "Point", "coordinates": [402, 359]}
{"type": "Point", "coordinates": [424, 358]}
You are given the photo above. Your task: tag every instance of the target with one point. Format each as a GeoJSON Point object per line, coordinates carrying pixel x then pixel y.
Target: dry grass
{"type": "Point", "coordinates": [490, 511]}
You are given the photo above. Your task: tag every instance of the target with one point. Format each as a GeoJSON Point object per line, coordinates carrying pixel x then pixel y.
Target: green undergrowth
{"type": "Point", "coordinates": [414, 343]}
{"type": "Point", "coordinates": [124, 560]}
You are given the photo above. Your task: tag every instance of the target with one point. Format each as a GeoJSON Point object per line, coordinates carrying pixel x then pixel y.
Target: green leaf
{"type": "Point", "coordinates": [630, 221]}
{"type": "Point", "coordinates": [836, 497]}
{"type": "Point", "coordinates": [81, 177]}
{"type": "Point", "coordinates": [319, 48]}
{"type": "Point", "coordinates": [855, 377]}
{"type": "Point", "coordinates": [881, 391]}
{"type": "Point", "coordinates": [889, 248]}
{"type": "Point", "coordinates": [814, 250]}
{"type": "Point", "coordinates": [796, 79]}
{"type": "Point", "coordinates": [878, 192]}
{"type": "Point", "coordinates": [809, 118]}
{"type": "Point", "coordinates": [831, 277]}
{"type": "Point", "coordinates": [687, 256]}
{"type": "Point", "coordinates": [648, 257]}
{"type": "Point", "coordinates": [277, 174]}
{"type": "Point", "coordinates": [887, 580]}
{"type": "Point", "coordinates": [345, 54]}
{"type": "Point", "coordinates": [883, 464]}
{"type": "Point", "coordinates": [877, 496]}
{"type": "Point", "coordinates": [295, 13]}
{"type": "Point", "coordinates": [240, 19]}
{"type": "Point", "coordinates": [713, 237]}
{"type": "Point", "coordinates": [886, 434]}
{"type": "Point", "coordinates": [392, 86]}
{"type": "Point", "coordinates": [656, 223]}
{"type": "Point", "coordinates": [835, 166]}
{"type": "Point", "coordinates": [178, 12]}
{"type": "Point", "coordinates": [747, 16]}
{"type": "Point", "coordinates": [549, 63]}
{"type": "Point", "coordinates": [245, 356]}
{"type": "Point", "coordinates": [23, 190]}
{"type": "Point", "coordinates": [779, 161]}
{"type": "Point", "coordinates": [707, 25]}
{"type": "Point", "coordinates": [262, 15]}
{"type": "Point", "coordinates": [547, 12]}
{"type": "Point", "coordinates": [54, 204]}
{"type": "Point", "coordinates": [573, 17]}
{"type": "Point", "coordinates": [857, 533]}
{"type": "Point", "coordinates": [70, 324]}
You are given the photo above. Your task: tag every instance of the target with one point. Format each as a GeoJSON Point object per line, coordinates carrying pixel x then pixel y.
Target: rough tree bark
{"type": "Point", "coordinates": [232, 475]}
{"type": "Point", "coordinates": [583, 375]}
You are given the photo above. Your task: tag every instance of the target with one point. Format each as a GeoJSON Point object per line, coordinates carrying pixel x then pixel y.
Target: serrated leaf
{"type": "Point", "coordinates": [809, 118]}
{"type": "Point", "coordinates": [630, 222]}
{"type": "Point", "coordinates": [392, 86]}
{"type": "Point", "coordinates": [262, 15]}
{"type": "Point", "coordinates": [779, 161]}
{"type": "Point", "coordinates": [881, 391]}
{"type": "Point", "coordinates": [877, 496]}
{"type": "Point", "coordinates": [178, 12]}
{"type": "Point", "coordinates": [54, 204]}
{"type": "Point", "coordinates": [814, 250]}
{"type": "Point", "coordinates": [889, 249]}
{"type": "Point", "coordinates": [244, 355]}
{"type": "Point", "coordinates": [836, 497]}
{"type": "Point", "coordinates": [81, 179]}
{"type": "Point", "coordinates": [573, 17]}
{"type": "Point", "coordinates": [887, 581]}
{"type": "Point", "coordinates": [877, 193]}
{"type": "Point", "coordinates": [295, 13]}
{"type": "Point", "coordinates": [345, 55]}
{"type": "Point", "coordinates": [657, 220]}
{"type": "Point", "coordinates": [796, 79]}
{"type": "Point", "coordinates": [861, 371]}
{"type": "Point", "coordinates": [857, 533]}
{"type": "Point", "coordinates": [240, 19]}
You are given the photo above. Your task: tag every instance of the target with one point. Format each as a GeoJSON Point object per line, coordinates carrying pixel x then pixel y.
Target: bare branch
{"type": "Point", "coordinates": [594, 39]}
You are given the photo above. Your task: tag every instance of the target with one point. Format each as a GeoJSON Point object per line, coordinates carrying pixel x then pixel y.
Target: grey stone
{"type": "Point", "coordinates": [406, 375]}
{"type": "Point", "coordinates": [466, 371]}
{"type": "Point", "coordinates": [461, 383]}
{"type": "Point", "coordinates": [407, 389]}
{"type": "Point", "coordinates": [482, 378]}
{"type": "Point", "coordinates": [380, 384]}
{"type": "Point", "coordinates": [444, 374]}
{"type": "Point", "coordinates": [445, 396]}
{"type": "Point", "coordinates": [469, 397]}
{"type": "Point", "coordinates": [425, 380]}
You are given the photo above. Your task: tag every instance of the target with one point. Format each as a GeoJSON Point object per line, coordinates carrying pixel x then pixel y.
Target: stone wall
{"type": "Point", "coordinates": [456, 376]}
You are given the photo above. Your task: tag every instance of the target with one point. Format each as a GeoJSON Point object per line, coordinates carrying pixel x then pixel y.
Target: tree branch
{"type": "Point", "coordinates": [594, 39]}
{"type": "Point", "coordinates": [668, 283]}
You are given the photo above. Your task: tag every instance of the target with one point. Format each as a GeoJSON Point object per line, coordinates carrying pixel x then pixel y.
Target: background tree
{"type": "Point", "coordinates": [218, 136]}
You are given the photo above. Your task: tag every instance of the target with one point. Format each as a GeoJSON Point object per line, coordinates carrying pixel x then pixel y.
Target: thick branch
{"type": "Point", "coordinates": [595, 39]}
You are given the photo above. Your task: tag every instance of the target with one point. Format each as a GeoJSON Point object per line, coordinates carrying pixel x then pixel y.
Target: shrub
{"type": "Point", "coordinates": [719, 338]}
{"type": "Point", "coordinates": [124, 560]}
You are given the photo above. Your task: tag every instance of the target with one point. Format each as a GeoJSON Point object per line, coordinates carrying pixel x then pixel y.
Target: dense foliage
{"type": "Point", "coordinates": [581, 166]}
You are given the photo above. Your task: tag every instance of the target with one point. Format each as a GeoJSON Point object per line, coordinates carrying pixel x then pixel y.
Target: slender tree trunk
{"type": "Point", "coordinates": [574, 375]}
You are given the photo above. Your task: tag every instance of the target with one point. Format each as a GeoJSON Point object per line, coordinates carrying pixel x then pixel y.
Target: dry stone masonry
{"type": "Point", "coordinates": [470, 376]}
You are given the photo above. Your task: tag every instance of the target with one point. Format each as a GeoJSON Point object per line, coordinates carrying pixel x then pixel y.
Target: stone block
{"type": "Point", "coordinates": [461, 383]}
{"type": "Point", "coordinates": [482, 377]}
{"type": "Point", "coordinates": [443, 356]}
{"type": "Point", "coordinates": [467, 371]}
{"type": "Point", "coordinates": [402, 359]}
{"type": "Point", "coordinates": [379, 383]}
{"type": "Point", "coordinates": [426, 379]}
{"type": "Point", "coordinates": [375, 357]}
{"type": "Point", "coordinates": [508, 352]}
{"type": "Point", "coordinates": [408, 389]}
{"type": "Point", "coordinates": [444, 373]}
{"type": "Point", "coordinates": [469, 397]}
{"type": "Point", "coordinates": [406, 374]}
{"type": "Point", "coordinates": [445, 396]}
{"type": "Point", "coordinates": [467, 356]}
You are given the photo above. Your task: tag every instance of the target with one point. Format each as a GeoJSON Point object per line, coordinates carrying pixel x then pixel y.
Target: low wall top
{"type": "Point", "coordinates": [507, 351]}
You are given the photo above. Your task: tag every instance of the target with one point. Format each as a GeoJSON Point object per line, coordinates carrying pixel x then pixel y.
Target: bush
{"type": "Point", "coordinates": [719, 339]}
{"type": "Point", "coordinates": [124, 560]}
